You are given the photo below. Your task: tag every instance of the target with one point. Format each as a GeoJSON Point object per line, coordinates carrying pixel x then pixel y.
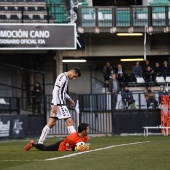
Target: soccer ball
{"type": "Point", "coordinates": [81, 146]}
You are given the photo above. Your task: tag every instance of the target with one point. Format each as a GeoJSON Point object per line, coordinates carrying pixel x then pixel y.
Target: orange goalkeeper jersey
{"type": "Point", "coordinates": [70, 141]}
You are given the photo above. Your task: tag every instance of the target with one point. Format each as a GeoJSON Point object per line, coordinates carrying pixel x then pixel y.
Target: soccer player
{"type": "Point", "coordinates": [65, 145]}
{"type": "Point", "coordinates": [59, 109]}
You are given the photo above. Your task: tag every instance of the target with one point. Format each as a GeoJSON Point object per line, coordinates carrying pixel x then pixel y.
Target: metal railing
{"type": "Point", "coordinates": [110, 16]}
{"type": "Point", "coordinates": [133, 16]}
{"type": "Point", "coordinates": [144, 79]}
{"type": "Point", "coordinates": [10, 105]}
{"type": "Point", "coordinates": [95, 109]}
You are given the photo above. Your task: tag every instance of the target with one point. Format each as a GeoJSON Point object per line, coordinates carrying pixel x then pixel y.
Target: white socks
{"type": "Point", "coordinates": [71, 129]}
{"type": "Point", "coordinates": [44, 134]}
{"type": "Point", "coordinates": [46, 130]}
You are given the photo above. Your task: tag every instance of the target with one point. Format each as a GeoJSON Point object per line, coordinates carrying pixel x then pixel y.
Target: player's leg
{"type": "Point", "coordinates": [52, 147]}
{"type": "Point", "coordinates": [63, 113]}
{"type": "Point", "coordinates": [70, 125]}
{"type": "Point", "coordinates": [46, 129]}
{"type": "Point", "coordinates": [52, 121]}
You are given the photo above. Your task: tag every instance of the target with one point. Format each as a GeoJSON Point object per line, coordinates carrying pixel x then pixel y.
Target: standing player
{"type": "Point", "coordinates": [59, 109]}
{"type": "Point", "coordinates": [66, 145]}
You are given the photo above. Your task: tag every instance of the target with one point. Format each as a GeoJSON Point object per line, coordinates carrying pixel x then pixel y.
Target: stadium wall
{"type": "Point", "coordinates": [132, 122]}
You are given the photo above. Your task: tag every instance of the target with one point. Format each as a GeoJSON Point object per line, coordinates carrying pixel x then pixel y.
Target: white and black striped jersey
{"type": "Point", "coordinates": [60, 90]}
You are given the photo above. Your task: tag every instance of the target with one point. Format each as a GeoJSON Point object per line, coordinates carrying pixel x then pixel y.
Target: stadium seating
{"type": "Point", "coordinates": [21, 1]}
{"type": "Point", "coordinates": [2, 8]}
{"type": "Point", "coordinates": [29, 8]}
{"type": "Point", "coordinates": [160, 80]}
{"type": "Point", "coordinates": [46, 17]}
{"type": "Point", "coordinates": [57, 9]}
{"type": "Point", "coordinates": [167, 79]}
{"type": "Point", "coordinates": [26, 17]}
{"type": "Point", "coordinates": [3, 17]}
{"type": "Point", "coordinates": [11, 8]}
{"type": "Point", "coordinates": [36, 17]}
{"type": "Point", "coordinates": [41, 8]}
{"type": "Point", "coordinates": [14, 17]}
{"type": "Point", "coordinates": [140, 80]}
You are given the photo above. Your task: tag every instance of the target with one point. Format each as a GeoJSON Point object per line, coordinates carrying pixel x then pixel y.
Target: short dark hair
{"type": "Point", "coordinates": [148, 86]}
{"type": "Point", "coordinates": [82, 126]}
{"type": "Point", "coordinates": [77, 70]}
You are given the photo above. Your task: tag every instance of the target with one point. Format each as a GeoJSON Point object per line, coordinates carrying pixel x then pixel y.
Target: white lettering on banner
{"type": "Point", "coordinates": [4, 129]}
{"type": "Point", "coordinates": [28, 41]}
{"type": "Point", "coordinates": [10, 41]}
{"type": "Point", "coordinates": [39, 34]}
{"type": "Point", "coordinates": [14, 34]}
{"type": "Point", "coordinates": [41, 41]}
{"type": "Point", "coordinates": [17, 126]}
{"type": "Point", "coordinates": [24, 34]}
{"type": "Point", "coordinates": [22, 41]}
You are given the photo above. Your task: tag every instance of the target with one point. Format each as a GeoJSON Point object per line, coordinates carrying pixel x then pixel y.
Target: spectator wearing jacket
{"type": "Point", "coordinates": [165, 69]}
{"type": "Point", "coordinates": [120, 74]}
{"type": "Point", "coordinates": [37, 94]}
{"type": "Point", "coordinates": [127, 97]}
{"type": "Point", "coordinates": [137, 70]}
{"type": "Point", "coordinates": [150, 97]}
{"type": "Point", "coordinates": [107, 71]}
{"type": "Point", "coordinates": [156, 71]}
{"type": "Point", "coordinates": [114, 88]}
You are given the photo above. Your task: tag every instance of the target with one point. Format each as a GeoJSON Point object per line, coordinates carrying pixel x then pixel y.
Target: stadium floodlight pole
{"type": "Point", "coordinates": [73, 17]}
{"type": "Point", "coordinates": [145, 42]}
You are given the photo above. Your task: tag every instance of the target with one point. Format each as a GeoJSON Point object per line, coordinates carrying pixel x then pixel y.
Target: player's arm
{"type": "Point", "coordinates": [58, 84]}
{"type": "Point", "coordinates": [70, 100]}
{"type": "Point", "coordinates": [55, 92]}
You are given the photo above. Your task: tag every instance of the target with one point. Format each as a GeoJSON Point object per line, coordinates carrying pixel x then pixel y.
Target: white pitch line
{"type": "Point", "coordinates": [94, 150]}
{"type": "Point", "coordinates": [77, 153]}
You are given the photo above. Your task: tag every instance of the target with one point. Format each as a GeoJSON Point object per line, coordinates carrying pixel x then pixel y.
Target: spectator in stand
{"type": "Point", "coordinates": [114, 88]}
{"type": "Point", "coordinates": [162, 91]}
{"type": "Point", "coordinates": [148, 75]}
{"type": "Point", "coordinates": [127, 97]}
{"type": "Point", "coordinates": [137, 70]}
{"type": "Point", "coordinates": [107, 71]}
{"type": "Point", "coordinates": [165, 69]}
{"type": "Point", "coordinates": [120, 74]}
{"type": "Point", "coordinates": [111, 72]}
{"type": "Point", "coordinates": [146, 64]}
{"type": "Point", "coordinates": [156, 71]}
{"type": "Point", "coordinates": [150, 97]}
{"type": "Point", "coordinates": [37, 94]}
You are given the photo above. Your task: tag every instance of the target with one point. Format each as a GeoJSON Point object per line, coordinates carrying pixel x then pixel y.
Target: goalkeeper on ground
{"type": "Point", "coordinates": [68, 144]}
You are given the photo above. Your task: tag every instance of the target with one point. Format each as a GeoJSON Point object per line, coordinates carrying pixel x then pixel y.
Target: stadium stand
{"type": "Point", "coordinates": [32, 11]}
{"type": "Point", "coordinates": [3, 17]}
{"type": "Point", "coordinates": [160, 80]}
{"type": "Point", "coordinates": [35, 11]}
{"type": "Point", "coordinates": [167, 79]}
{"type": "Point", "coordinates": [14, 17]}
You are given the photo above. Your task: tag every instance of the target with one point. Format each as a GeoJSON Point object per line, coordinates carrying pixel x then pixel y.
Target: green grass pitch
{"type": "Point", "coordinates": [106, 153]}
